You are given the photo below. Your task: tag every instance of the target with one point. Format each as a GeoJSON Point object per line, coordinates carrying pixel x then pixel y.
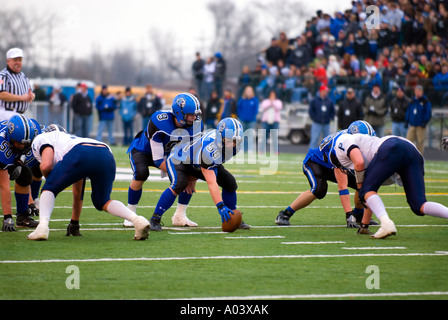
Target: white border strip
{"type": "Point", "coordinates": [327, 296]}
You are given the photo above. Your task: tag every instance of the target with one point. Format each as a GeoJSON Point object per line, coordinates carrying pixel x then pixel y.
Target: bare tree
{"type": "Point", "coordinates": [19, 30]}
{"type": "Point", "coordinates": [282, 15]}
{"type": "Point", "coordinates": [168, 55]}
{"type": "Point", "coordinates": [236, 33]}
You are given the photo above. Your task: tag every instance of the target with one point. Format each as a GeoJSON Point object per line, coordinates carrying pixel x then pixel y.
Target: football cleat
{"type": "Point", "coordinates": [24, 220]}
{"type": "Point", "coordinates": [154, 222]}
{"type": "Point", "coordinates": [283, 218]}
{"type": "Point", "coordinates": [142, 228]}
{"type": "Point", "coordinates": [40, 234]}
{"type": "Point", "coordinates": [387, 229]}
{"type": "Point", "coordinates": [180, 220]}
{"type": "Point", "coordinates": [128, 224]}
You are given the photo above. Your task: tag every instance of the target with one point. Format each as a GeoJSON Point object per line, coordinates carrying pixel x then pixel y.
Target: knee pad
{"type": "Point", "coordinates": [25, 178]}
{"type": "Point", "coordinates": [141, 173]}
{"type": "Point", "coordinates": [36, 171]}
{"type": "Point", "coordinates": [181, 184]}
{"type": "Point", "coordinates": [320, 191]}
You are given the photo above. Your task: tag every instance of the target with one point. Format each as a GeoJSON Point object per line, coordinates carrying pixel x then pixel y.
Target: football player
{"type": "Point", "coordinates": [16, 135]}
{"type": "Point", "coordinates": [151, 147]}
{"type": "Point", "coordinates": [445, 143]}
{"type": "Point", "coordinates": [203, 159]}
{"type": "Point", "coordinates": [375, 161]}
{"type": "Point", "coordinates": [67, 160]}
{"type": "Point", "coordinates": [319, 168]}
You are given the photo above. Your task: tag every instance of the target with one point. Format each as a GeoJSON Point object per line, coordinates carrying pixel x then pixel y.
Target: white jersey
{"type": "Point", "coordinates": [368, 146]}
{"type": "Point", "coordinates": [61, 143]}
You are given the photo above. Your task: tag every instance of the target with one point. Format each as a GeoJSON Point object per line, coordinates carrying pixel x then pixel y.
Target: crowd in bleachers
{"type": "Point", "coordinates": [340, 50]}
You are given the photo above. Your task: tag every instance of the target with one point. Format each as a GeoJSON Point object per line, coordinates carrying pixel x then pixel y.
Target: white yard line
{"type": "Point", "coordinates": [374, 248]}
{"type": "Point", "coordinates": [152, 259]}
{"type": "Point", "coordinates": [313, 242]}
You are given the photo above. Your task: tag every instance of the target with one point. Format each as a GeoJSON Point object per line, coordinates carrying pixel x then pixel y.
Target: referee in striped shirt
{"type": "Point", "coordinates": [15, 87]}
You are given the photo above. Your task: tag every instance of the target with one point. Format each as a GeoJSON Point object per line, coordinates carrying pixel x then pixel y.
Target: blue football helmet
{"type": "Point", "coordinates": [362, 127]}
{"type": "Point", "coordinates": [22, 130]}
{"type": "Point", "coordinates": [183, 104]}
{"type": "Point", "coordinates": [230, 128]}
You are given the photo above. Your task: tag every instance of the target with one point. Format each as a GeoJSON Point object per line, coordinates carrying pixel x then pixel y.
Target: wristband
{"type": "Point", "coordinates": [344, 192]}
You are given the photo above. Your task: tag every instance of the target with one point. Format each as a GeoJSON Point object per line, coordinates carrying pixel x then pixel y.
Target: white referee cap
{"type": "Point", "coordinates": [14, 53]}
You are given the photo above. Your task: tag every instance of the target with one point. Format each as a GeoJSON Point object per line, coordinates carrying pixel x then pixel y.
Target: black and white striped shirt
{"type": "Point", "coordinates": [14, 83]}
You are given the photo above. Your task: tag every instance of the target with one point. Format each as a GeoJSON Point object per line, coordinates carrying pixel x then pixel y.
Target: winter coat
{"type": "Point", "coordinates": [321, 111]}
{"type": "Point", "coordinates": [106, 106]}
{"type": "Point", "coordinates": [128, 108]}
{"type": "Point", "coordinates": [375, 110]}
{"type": "Point", "coordinates": [418, 113]}
{"type": "Point", "coordinates": [82, 104]}
{"type": "Point", "coordinates": [247, 109]}
{"type": "Point", "coordinates": [349, 111]}
{"type": "Point", "coordinates": [398, 108]}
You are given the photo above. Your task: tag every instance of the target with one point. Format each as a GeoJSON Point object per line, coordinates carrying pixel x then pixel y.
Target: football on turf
{"type": "Point", "coordinates": [234, 222]}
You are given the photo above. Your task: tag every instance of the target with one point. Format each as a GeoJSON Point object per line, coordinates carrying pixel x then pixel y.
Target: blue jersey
{"type": "Point", "coordinates": [205, 152]}
{"type": "Point", "coordinates": [7, 154]}
{"type": "Point", "coordinates": [325, 154]}
{"type": "Point", "coordinates": [161, 132]}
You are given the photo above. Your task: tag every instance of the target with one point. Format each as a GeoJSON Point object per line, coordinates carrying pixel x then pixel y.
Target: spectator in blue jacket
{"type": "Point", "coordinates": [322, 112]}
{"type": "Point", "coordinates": [440, 82]}
{"type": "Point", "coordinates": [247, 110]}
{"type": "Point", "coordinates": [128, 111]}
{"type": "Point", "coordinates": [418, 115]}
{"type": "Point", "coordinates": [106, 105]}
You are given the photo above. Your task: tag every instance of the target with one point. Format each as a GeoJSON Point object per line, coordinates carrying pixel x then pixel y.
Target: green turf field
{"type": "Point", "coordinates": [316, 258]}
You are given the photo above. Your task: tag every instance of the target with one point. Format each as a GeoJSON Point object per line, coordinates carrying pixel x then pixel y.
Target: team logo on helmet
{"type": "Point", "coordinates": [11, 127]}
{"type": "Point", "coordinates": [221, 126]}
{"type": "Point", "coordinates": [181, 102]}
{"type": "Point", "coordinates": [355, 129]}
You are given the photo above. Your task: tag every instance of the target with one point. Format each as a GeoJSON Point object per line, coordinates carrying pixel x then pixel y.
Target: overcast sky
{"type": "Point", "coordinates": [110, 24]}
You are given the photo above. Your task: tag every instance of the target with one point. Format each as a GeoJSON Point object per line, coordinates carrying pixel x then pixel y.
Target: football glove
{"type": "Point", "coordinates": [351, 220]}
{"type": "Point", "coordinates": [8, 225]}
{"type": "Point", "coordinates": [15, 172]}
{"type": "Point", "coordinates": [73, 229]}
{"type": "Point", "coordinates": [224, 212]}
{"type": "Point", "coordinates": [364, 229]}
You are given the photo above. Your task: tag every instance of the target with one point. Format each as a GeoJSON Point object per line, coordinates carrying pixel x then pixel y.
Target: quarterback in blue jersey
{"type": "Point", "coordinates": [16, 135]}
{"type": "Point", "coordinates": [203, 159]}
{"type": "Point", "coordinates": [319, 166]}
{"type": "Point", "coordinates": [151, 147]}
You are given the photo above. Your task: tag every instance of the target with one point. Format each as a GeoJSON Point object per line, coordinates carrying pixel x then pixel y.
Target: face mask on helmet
{"type": "Point", "coordinates": [186, 109]}
{"type": "Point", "coordinates": [230, 132]}
{"type": "Point", "coordinates": [54, 127]}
